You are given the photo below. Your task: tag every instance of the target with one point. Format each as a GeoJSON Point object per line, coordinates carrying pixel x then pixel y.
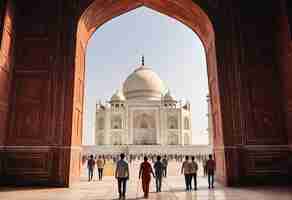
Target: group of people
{"type": "Point", "coordinates": [145, 172]}
{"type": "Point", "coordinates": [189, 169]}
{"type": "Point", "coordinates": [132, 157]}
{"type": "Point", "coordinates": [158, 171]}
{"type": "Point", "coordinates": [100, 162]}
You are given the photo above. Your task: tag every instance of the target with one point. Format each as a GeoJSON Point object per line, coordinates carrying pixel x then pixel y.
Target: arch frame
{"type": "Point", "coordinates": [97, 13]}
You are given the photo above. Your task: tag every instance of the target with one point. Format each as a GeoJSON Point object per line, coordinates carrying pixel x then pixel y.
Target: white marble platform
{"type": "Point", "coordinates": [172, 189]}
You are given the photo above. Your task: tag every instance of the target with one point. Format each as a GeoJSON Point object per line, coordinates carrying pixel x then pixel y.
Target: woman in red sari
{"type": "Point", "coordinates": [145, 172]}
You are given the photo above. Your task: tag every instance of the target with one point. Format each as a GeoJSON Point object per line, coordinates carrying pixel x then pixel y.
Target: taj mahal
{"type": "Point", "coordinates": [143, 112]}
{"type": "Point", "coordinates": [143, 116]}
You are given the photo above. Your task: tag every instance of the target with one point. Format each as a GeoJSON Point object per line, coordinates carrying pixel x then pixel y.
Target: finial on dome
{"type": "Point", "coordinates": [142, 60]}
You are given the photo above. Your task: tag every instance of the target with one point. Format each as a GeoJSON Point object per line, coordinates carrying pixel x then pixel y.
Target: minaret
{"type": "Point", "coordinates": [210, 122]}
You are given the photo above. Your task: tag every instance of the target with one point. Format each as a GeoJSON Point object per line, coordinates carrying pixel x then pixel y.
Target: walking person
{"type": "Point", "coordinates": [90, 167]}
{"type": "Point", "coordinates": [100, 165]}
{"type": "Point", "coordinates": [145, 172]}
{"type": "Point", "coordinates": [165, 163]}
{"type": "Point", "coordinates": [210, 171]}
{"type": "Point", "coordinates": [205, 167]}
{"type": "Point", "coordinates": [194, 169]}
{"type": "Point", "coordinates": [186, 170]}
{"type": "Point", "coordinates": [158, 168]}
{"type": "Point", "coordinates": [122, 175]}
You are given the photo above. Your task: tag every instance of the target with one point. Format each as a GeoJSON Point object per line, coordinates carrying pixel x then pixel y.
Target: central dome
{"type": "Point", "coordinates": [144, 83]}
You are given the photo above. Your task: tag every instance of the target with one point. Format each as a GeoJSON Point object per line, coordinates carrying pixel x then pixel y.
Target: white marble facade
{"type": "Point", "coordinates": [143, 113]}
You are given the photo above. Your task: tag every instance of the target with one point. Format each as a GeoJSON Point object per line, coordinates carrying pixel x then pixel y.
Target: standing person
{"type": "Point", "coordinates": [205, 167]}
{"type": "Point", "coordinates": [104, 159]}
{"type": "Point", "coordinates": [210, 171]}
{"type": "Point", "coordinates": [186, 170]}
{"type": "Point", "coordinates": [158, 168]}
{"type": "Point", "coordinates": [122, 175]}
{"type": "Point", "coordinates": [100, 165]}
{"type": "Point", "coordinates": [165, 163]}
{"type": "Point", "coordinates": [90, 166]}
{"type": "Point", "coordinates": [194, 169]}
{"type": "Point", "coordinates": [145, 172]}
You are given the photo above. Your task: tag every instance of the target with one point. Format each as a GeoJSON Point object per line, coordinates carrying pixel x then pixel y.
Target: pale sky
{"type": "Point", "coordinates": [170, 48]}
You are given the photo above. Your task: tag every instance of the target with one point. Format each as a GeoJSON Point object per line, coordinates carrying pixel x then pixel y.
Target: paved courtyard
{"type": "Point", "coordinates": [173, 189]}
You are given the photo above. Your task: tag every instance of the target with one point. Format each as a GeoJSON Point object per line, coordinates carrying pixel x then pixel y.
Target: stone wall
{"type": "Point", "coordinates": [7, 40]}
{"type": "Point", "coordinates": [285, 61]}
{"type": "Point", "coordinates": [40, 122]}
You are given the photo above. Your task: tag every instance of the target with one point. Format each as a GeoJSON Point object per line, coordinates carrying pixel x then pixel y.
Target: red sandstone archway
{"type": "Point", "coordinates": [185, 11]}
{"type": "Point", "coordinates": [42, 81]}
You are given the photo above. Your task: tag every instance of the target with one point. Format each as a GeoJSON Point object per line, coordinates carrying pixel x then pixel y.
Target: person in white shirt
{"type": "Point", "coordinates": [194, 169]}
{"type": "Point", "coordinates": [122, 175]}
{"type": "Point", "coordinates": [186, 170]}
{"type": "Point", "coordinates": [100, 165]}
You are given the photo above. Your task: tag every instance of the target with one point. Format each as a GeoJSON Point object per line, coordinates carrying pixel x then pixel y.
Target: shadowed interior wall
{"type": "Point", "coordinates": [285, 61]}
{"type": "Point", "coordinates": [40, 123]}
{"type": "Point", "coordinates": [7, 34]}
{"type": "Point", "coordinates": [250, 94]}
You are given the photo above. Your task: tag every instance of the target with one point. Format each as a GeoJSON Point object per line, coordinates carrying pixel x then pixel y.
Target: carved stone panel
{"type": "Point", "coordinates": [33, 163]}
{"type": "Point", "coordinates": [265, 108]}
{"type": "Point", "coordinates": [30, 119]}
{"type": "Point", "coordinates": [266, 161]}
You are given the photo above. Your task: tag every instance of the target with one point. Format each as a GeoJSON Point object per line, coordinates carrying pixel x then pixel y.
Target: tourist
{"type": "Point", "coordinates": [194, 169]}
{"type": "Point", "coordinates": [100, 165]}
{"type": "Point", "coordinates": [165, 163]}
{"type": "Point", "coordinates": [130, 158]}
{"type": "Point", "coordinates": [158, 168]}
{"type": "Point", "coordinates": [205, 167]}
{"type": "Point", "coordinates": [145, 172]}
{"type": "Point", "coordinates": [210, 170]}
{"type": "Point", "coordinates": [90, 166]}
{"type": "Point", "coordinates": [186, 170]}
{"type": "Point", "coordinates": [122, 175]}
{"type": "Point", "coordinates": [104, 159]}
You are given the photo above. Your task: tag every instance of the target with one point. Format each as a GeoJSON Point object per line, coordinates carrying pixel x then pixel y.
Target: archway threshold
{"type": "Point", "coordinates": [173, 189]}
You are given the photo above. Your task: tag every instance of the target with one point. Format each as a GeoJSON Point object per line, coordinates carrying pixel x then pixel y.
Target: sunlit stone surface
{"type": "Point", "coordinates": [173, 189]}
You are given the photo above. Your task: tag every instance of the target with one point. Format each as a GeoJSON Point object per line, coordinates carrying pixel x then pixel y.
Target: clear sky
{"type": "Point", "coordinates": [170, 48]}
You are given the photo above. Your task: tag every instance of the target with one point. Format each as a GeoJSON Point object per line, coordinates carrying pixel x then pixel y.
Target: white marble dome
{"type": "Point", "coordinates": [144, 84]}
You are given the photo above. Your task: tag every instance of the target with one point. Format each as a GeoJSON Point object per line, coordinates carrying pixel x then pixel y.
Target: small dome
{"type": "Point", "coordinates": [144, 83]}
{"type": "Point", "coordinates": [118, 96]}
{"type": "Point", "coordinates": [169, 97]}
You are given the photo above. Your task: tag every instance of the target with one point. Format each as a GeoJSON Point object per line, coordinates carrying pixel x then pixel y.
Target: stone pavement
{"type": "Point", "coordinates": [172, 189]}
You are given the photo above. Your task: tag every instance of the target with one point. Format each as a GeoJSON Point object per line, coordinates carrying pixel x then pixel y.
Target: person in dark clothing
{"type": "Point", "coordinates": [90, 166]}
{"type": "Point", "coordinates": [165, 163]}
{"type": "Point", "coordinates": [205, 167]}
{"type": "Point", "coordinates": [158, 168]}
{"type": "Point", "coordinates": [194, 169]}
{"type": "Point", "coordinates": [211, 170]}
